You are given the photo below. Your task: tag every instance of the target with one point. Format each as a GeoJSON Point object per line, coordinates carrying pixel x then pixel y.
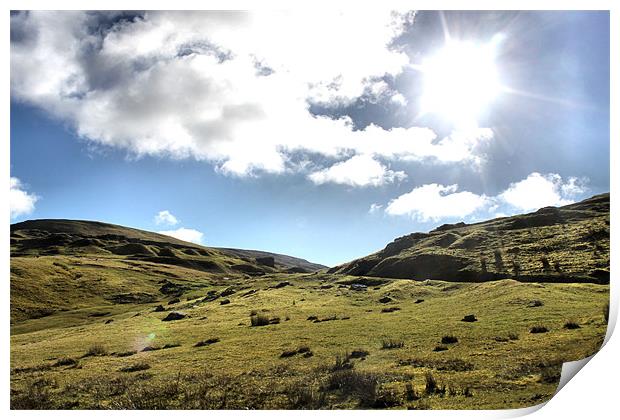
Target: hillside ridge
{"type": "Point", "coordinates": [553, 244]}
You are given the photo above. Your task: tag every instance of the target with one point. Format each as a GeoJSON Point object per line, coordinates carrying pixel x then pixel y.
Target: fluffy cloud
{"type": "Point", "coordinates": [184, 234]}
{"type": "Point", "coordinates": [225, 87]}
{"type": "Point", "coordinates": [164, 217]}
{"type": "Point", "coordinates": [21, 202]}
{"type": "Point", "coordinates": [539, 190]}
{"type": "Point", "coordinates": [435, 202]}
{"type": "Point", "coordinates": [358, 171]}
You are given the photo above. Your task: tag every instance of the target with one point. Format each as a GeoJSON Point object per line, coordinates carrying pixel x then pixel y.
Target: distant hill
{"type": "Point", "coordinates": [54, 236]}
{"type": "Point", "coordinates": [63, 265]}
{"type": "Point", "coordinates": [564, 244]}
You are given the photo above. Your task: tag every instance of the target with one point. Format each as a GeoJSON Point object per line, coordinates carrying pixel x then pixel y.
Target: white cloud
{"type": "Point", "coordinates": [375, 208]}
{"type": "Point", "coordinates": [223, 87]}
{"type": "Point", "coordinates": [538, 190]}
{"type": "Point", "coordinates": [358, 171]}
{"type": "Point", "coordinates": [21, 202]}
{"type": "Point", "coordinates": [435, 202]}
{"type": "Point", "coordinates": [184, 234]}
{"type": "Point", "coordinates": [164, 217]}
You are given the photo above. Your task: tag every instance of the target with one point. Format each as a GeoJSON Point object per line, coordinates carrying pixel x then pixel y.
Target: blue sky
{"type": "Point", "coordinates": [254, 132]}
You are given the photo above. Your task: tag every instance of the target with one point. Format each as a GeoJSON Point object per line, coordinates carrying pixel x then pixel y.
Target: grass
{"type": "Point", "coordinates": [136, 367]}
{"type": "Point", "coordinates": [246, 359]}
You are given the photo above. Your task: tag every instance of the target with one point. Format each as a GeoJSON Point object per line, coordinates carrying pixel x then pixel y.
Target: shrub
{"type": "Point", "coordinates": [410, 393]}
{"type": "Point", "coordinates": [469, 318]}
{"type": "Point", "coordinates": [65, 361]}
{"type": "Point", "coordinates": [126, 353]}
{"type": "Point", "coordinates": [538, 329]}
{"type": "Point", "coordinates": [302, 396]}
{"type": "Point", "coordinates": [431, 384]}
{"type": "Point", "coordinates": [288, 353]}
{"type": "Point", "coordinates": [513, 336]}
{"type": "Point", "coordinates": [151, 348]}
{"type": "Point", "coordinates": [171, 345]}
{"type": "Point", "coordinates": [303, 349]}
{"type": "Point", "coordinates": [207, 342]}
{"type": "Point", "coordinates": [392, 344]}
{"type": "Point", "coordinates": [342, 362]}
{"type": "Point", "coordinates": [545, 264]}
{"type": "Point", "coordinates": [516, 268]}
{"type": "Point", "coordinates": [135, 367]}
{"type": "Point", "coordinates": [358, 354]}
{"type": "Point", "coordinates": [35, 395]}
{"type": "Point", "coordinates": [571, 325]}
{"type": "Point", "coordinates": [359, 384]}
{"type": "Point", "coordinates": [392, 309]}
{"type": "Point", "coordinates": [499, 262]}
{"type": "Point", "coordinates": [259, 320]}
{"type": "Point", "coordinates": [440, 348]}
{"type": "Point", "coordinates": [535, 303]}
{"type": "Point", "coordinates": [449, 339]}
{"type": "Point", "coordinates": [96, 350]}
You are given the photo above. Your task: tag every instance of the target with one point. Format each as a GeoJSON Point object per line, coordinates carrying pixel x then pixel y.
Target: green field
{"type": "Point", "coordinates": [496, 363]}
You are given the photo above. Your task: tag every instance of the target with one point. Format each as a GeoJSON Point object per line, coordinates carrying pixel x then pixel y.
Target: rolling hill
{"type": "Point", "coordinates": [58, 265]}
{"type": "Point", "coordinates": [565, 244]}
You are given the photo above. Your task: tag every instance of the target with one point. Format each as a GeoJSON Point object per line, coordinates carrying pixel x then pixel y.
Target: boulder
{"type": "Point", "coordinates": [469, 318]}
{"type": "Point", "coordinates": [174, 316]}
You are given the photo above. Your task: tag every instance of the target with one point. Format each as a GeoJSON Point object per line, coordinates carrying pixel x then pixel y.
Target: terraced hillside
{"type": "Point", "coordinates": [566, 244]}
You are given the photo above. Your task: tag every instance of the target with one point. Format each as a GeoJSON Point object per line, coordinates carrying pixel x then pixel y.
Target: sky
{"type": "Point", "coordinates": [318, 135]}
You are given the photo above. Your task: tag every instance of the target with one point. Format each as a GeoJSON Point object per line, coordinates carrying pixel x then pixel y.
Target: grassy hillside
{"type": "Point", "coordinates": [215, 358]}
{"type": "Point", "coordinates": [59, 265]}
{"type": "Point", "coordinates": [119, 318]}
{"type": "Point", "coordinates": [566, 244]}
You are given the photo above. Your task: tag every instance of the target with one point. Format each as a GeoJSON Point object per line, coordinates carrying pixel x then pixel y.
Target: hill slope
{"type": "Point", "coordinates": [60, 265]}
{"type": "Point", "coordinates": [47, 235]}
{"type": "Point", "coordinates": [565, 244]}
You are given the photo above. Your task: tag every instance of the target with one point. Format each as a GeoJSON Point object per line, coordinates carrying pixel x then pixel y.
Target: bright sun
{"type": "Point", "coordinates": [460, 81]}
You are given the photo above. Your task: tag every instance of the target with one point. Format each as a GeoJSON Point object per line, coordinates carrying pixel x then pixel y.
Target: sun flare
{"type": "Point", "coordinates": [460, 81]}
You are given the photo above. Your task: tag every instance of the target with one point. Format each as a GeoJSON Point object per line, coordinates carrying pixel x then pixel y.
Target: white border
{"type": "Point", "coordinates": [592, 394]}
